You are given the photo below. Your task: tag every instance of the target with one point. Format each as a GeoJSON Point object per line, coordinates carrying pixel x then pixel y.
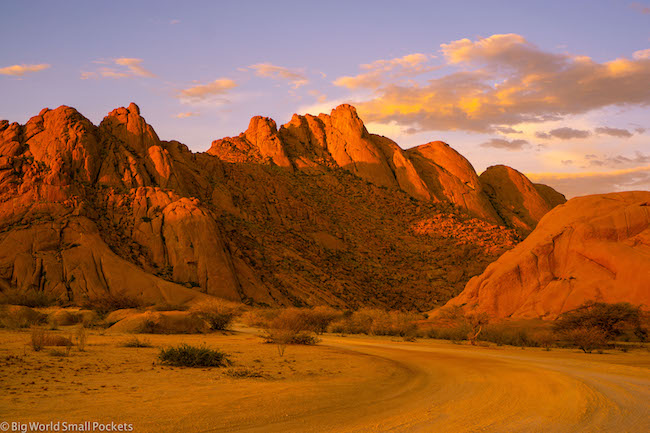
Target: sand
{"type": "Point", "coordinates": [344, 384]}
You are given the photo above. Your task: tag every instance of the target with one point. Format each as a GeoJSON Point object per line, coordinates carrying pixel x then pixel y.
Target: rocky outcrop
{"type": "Point", "coordinates": [433, 171]}
{"type": "Point", "coordinates": [518, 202]}
{"type": "Point", "coordinates": [450, 177]}
{"type": "Point", "coordinates": [318, 211]}
{"type": "Point", "coordinates": [591, 248]}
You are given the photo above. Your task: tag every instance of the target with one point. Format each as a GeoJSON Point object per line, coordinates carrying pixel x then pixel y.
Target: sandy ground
{"type": "Point", "coordinates": [345, 384]}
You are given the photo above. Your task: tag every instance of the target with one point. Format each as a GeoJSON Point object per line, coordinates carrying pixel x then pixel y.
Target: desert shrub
{"type": "Point", "coordinates": [59, 352]}
{"type": "Point", "coordinates": [29, 298]}
{"type": "Point", "coordinates": [376, 322]}
{"type": "Point", "coordinates": [38, 339]}
{"type": "Point", "coordinates": [453, 333]}
{"type": "Point", "coordinates": [242, 373]}
{"type": "Point", "coordinates": [185, 355]}
{"type": "Point", "coordinates": [259, 318]}
{"type": "Point", "coordinates": [545, 339]}
{"type": "Point", "coordinates": [41, 338]}
{"type": "Point", "coordinates": [136, 342]}
{"type": "Point", "coordinates": [18, 316]}
{"type": "Point", "coordinates": [219, 313]}
{"type": "Point", "coordinates": [472, 322]}
{"type": "Point", "coordinates": [166, 306]}
{"type": "Point", "coordinates": [107, 302]}
{"type": "Point", "coordinates": [82, 337]}
{"type": "Point", "coordinates": [319, 318]}
{"type": "Point", "coordinates": [586, 339]}
{"type": "Point", "coordinates": [613, 320]}
{"type": "Point", "coordinates": [503, 334]}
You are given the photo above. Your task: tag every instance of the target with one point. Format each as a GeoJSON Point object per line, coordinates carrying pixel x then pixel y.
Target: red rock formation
{"type": "Point", "coordinates": [591, 248]}
{"type": "Point", "coordinates": [519, 202]}
{"type": "Point", "coordinates": [317, 212]}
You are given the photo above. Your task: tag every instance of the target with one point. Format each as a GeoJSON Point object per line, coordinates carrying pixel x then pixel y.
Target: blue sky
{"type": "Point", "coordinates": [200, 70]}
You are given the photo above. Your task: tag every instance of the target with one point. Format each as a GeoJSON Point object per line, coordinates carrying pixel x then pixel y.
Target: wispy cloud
{"type": "Point", "coordinates": [614, 132]}
{"type": "Point", "coordinates": [124, 67]}
{"type": "Point", "coordinates": [640, 8]}
{"type": "Point", "coordinates": [564, 133]}
{"type": "Point", "coordinates": [501, 143]}
{"type": "Point", "coordinates": [187, 114]}
{"type": "Point", "coordinates": [502, 81]}
{"type": "Point", "coordinates": [134, 66]}
{"type": "Point", "coordinates": [618, 160]}
{"type": "Point", "coordinates": [296, 77]}
{"type": "Point", "coordinates": [20, 70]}
{"type": "Point", "coordinates": [381, 71]}
{"type": "Point", "coordinates": [202, 92]}
{"type": "Point", "coordinates": [578, 184]}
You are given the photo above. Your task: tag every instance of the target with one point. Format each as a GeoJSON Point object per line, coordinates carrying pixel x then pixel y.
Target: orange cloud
{"type": "Point", "coordinates": [294, 76]}
{"type": "Point", "coordinates": [20, 70]}
{"type": "Point", "coordinates": [187, 114]}
{"type": "Point", "coordinates": [504, 80]}
{"type": "Point", "coordinates": [204, 91]}
{"type": "Point", "coordinates": [135, 66]}
{"type": "Point", "coordinates": [578, 184]}
{"type": "Point", "coordinates": [381, 70]}
{"type": "Point", "coordinates": [130, 68]}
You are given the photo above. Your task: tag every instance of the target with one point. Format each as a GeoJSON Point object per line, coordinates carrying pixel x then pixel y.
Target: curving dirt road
{"type": "Point", "coordinates": [466, 389]}
{"type": "Point", "coordinates": [351, 384]}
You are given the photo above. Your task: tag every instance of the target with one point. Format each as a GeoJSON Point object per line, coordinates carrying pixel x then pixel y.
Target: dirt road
{"type": "Point", "coordinates": [345, 384]}
{"type": "Point", "coordinates": [466, 389]}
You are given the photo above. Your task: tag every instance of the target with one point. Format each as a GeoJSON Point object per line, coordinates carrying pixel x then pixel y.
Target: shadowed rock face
{"type": "Point", "coordinates": [319, 211]}
{"type": "Point", "coordinates": [591, 248]}
{"type": "Point", "coordinates": [516, 199]}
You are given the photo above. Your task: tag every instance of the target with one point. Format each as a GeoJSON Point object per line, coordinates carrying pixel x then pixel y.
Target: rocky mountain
{"type": "Point", "coordinates": [591, 248]}
{"type": "Point", "coordinates": [319, 211]}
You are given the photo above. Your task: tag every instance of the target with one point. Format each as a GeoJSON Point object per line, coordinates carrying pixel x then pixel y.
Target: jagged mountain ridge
{"type": "Point", "coordinates": [317, 212]}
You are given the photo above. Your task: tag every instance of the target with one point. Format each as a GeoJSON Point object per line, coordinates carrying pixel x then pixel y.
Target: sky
{"type": "Point", "coordinates": [559, 90]}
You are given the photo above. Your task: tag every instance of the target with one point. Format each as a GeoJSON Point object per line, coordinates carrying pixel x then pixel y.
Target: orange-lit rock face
{"type": "Point", "coordinates": [319, 211]}
{"type": "Point", "coordinates": [433, 171]}
{"type": "Point", "coordinates": [591, 248]}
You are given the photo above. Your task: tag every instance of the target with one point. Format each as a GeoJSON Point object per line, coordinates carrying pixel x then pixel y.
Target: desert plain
{"type": "Point", "coordinates": [342, 384]}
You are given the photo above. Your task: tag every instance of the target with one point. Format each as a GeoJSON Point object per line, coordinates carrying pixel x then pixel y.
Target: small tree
{"type": "Point", "coordinates": [473, 323]}
{"type": "Point", "coordinates": [609, 320]}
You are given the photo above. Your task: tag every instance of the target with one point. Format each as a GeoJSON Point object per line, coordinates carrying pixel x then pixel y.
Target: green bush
{"type": "Point", "coordinates": [185, 355]}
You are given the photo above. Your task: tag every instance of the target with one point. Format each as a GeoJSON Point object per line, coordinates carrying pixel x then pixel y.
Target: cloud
{"type": "Point", "coordinates": [618, 160]}
{"type": "Point", "coordinates": [640, 8]}
{"type": "Point", "coordinates": [127, 67]}
{"type": "Point", "coordinates": [320, 97]}
{"type": "Point", "coordinates": [134, 66]}
{"type": "Point", "coordinates": [614, 132]}
{"type": "Point", "coordinates": [295, 76]}
{"type": "Point", "coordinates": [20, 70]}
{"type": "Point", "coordinates": [501, 143]}
{"type": "Point", "coordinates": [639, 130]}
{"type": "Point", "coordinates": [564, 133]}
{"type": "Point", "coordinates": [187, 114]}
{"type": "Point", "coordinates": [507, 130]}
{"type": "Point", "coordinates": [172, 22]}
{"type": "Point", "coordinates": [201, 92]}
{"type": "Point", "coordinates": [578, 184]}
{"type": "Point", "coordinates": [379, 71]}
{"type": "Point", "coordinates": [502, 81]}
